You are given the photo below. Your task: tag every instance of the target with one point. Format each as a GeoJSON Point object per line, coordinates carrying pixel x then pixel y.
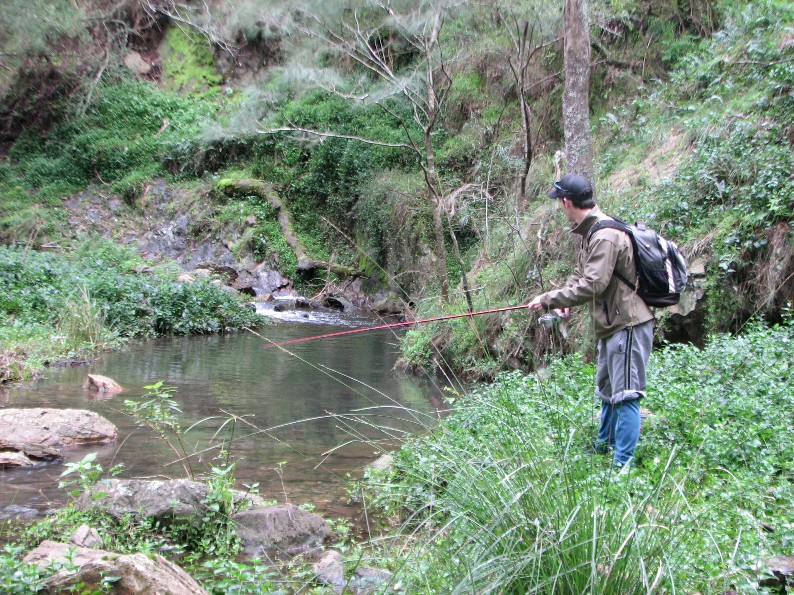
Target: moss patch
{"type": "Point", "coordinates": [188, 64]}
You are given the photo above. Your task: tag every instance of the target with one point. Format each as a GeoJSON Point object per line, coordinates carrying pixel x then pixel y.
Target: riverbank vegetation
{"type": "Point", "coordinates": [505, 495]}
{"type": "Point", "coordinates": [68, 307]}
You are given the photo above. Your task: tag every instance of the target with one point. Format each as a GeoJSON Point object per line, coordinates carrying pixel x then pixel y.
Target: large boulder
{"type": "Point", "coordinates": [39, 434]}
{"type": "Point", "coordinates": [164, 500]}
{"type": "Point", "coordinates": [54, 428]}
{"type": "Point", "coordinates": [280, 529]}
{"type": "Point", "coordinates": [90, 569]}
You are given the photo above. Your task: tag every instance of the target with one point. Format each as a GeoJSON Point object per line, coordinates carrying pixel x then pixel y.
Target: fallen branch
{"type": "Point", "coordinates": [306, 265]}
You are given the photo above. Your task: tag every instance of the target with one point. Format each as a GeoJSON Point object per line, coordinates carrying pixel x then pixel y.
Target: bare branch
{"type": "Point", "coordinates": [180, 14]}
{"type": "Point", "coordinates": [326, 134]}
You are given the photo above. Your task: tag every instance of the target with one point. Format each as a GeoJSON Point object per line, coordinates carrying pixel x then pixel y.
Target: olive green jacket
{"type": "Point", "coordinates": [613, 304]}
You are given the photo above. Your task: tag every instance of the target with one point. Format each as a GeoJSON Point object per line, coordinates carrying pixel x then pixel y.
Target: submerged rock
{"type": "Point", "coordinates": [134, 573]}
{"type": "Point", "coordinates": [14, 511]}
{"type": "Point", "coordinates": [102, 384]}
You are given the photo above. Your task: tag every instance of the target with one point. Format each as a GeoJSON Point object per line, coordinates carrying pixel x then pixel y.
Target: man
{"type": "Point", "coordinates": [623, 324]}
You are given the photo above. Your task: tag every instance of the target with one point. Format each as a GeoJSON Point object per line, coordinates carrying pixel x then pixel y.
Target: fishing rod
{"type": "Point", "coordinates": [395, 325]}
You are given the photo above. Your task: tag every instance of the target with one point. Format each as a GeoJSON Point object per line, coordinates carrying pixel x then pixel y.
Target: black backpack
{"type": "Point", "coordinates": [661, 267]}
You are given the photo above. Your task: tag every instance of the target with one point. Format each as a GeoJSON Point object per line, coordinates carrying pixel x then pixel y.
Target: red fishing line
{"type": "Point", "coordinates": [393, 325]}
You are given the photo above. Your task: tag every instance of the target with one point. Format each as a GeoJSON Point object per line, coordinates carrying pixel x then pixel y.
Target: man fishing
{"type": "Point", "coordinates": [622, 322]}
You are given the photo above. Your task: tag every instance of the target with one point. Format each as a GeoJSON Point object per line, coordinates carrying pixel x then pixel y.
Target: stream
{"type": "Point", "coordinates": [307, 418]}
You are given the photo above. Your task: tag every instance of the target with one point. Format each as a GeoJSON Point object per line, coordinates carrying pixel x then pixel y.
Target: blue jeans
{"type": "Point", "coordinates": [620, 429]}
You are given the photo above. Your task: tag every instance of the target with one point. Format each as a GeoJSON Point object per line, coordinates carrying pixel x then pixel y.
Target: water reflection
{"type": "Point", "coordinates": [302, 419]}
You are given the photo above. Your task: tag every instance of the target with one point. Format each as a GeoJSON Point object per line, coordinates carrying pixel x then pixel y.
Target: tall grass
{"type": "Point", "coordinates": [503, 496]}
{"type": "Point", "coordinates": [82, 324]}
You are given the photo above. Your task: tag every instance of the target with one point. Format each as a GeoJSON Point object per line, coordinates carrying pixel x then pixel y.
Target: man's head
{"type": "Point", "coordinates": [575, 194]}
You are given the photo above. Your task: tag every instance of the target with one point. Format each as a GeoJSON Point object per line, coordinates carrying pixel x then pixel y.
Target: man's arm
{"type": "Point", "coordinates": [580, 289]}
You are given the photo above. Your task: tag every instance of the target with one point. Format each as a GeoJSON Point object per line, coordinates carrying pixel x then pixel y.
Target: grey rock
{"type": "Point", "coordinates": [102, 384]}
{"type": "Point", "coordinates": [278, 529]}
{"type": "Point", "coordinates": [781, 569]}
{"type": "Point", "coordinates": [382, 463]}
{"type": "Point", "coordinates": [14, 458]}
{"type": "Point", "coordinates": [370, 580]}
{"type": "Point", "coordinates": [14, 511]}
{"type": "Point", "coordinates": [164, 500]}
{"type": "Point", "coordinates": [86, 536]}
{"type": "Point", "coordinates": [330, 570]}
{"type": "Point", "coordinates": [39, 433]}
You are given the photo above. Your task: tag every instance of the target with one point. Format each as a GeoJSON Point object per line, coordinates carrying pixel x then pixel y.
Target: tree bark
{"type": "Point", "coordinates": [576, 97]}
{"type": "Point", "coordinates": [264, 190]}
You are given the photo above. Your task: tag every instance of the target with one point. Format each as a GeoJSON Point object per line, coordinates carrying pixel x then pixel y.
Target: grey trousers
{"type": "Point", "coordinates": [620, 384]}
{"type": "Point", "coordinates": [622, 359]}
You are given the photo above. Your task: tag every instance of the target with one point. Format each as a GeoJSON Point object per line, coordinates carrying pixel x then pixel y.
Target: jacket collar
{"type": "Point", "coordinates": [594, 215]}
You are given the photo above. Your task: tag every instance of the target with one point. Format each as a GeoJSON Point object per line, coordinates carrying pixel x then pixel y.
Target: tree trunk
{"type": "Point", "coordinates": [431, 175]}
{"type": "Point", "coordinates": [437, 203]}
{"type": "Point", "coordinates": [576, 98]}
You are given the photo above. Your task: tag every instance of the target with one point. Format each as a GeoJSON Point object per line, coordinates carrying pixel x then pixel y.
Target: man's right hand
{"type": "Point", "coordinates": [535, 304]}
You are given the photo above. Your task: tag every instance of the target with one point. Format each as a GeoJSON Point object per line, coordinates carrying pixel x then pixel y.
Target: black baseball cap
{"type": "Point", "coordinates": [574, 186]}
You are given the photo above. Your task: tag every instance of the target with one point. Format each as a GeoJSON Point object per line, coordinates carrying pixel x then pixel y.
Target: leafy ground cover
{"type": "Point", "coordinates": [505, 497]}
{"type": "Point", "coordinates": [58, 306]}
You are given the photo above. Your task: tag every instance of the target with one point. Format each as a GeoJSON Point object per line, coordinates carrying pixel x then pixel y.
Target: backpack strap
{"type": "Point", "coordinates": [620, 226]}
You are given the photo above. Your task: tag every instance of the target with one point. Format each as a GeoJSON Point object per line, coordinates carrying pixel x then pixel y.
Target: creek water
{"type": "Point", "coordinates": [308, 418]}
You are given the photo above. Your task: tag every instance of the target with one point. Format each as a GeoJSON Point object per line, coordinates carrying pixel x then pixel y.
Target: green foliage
{"type": "Point", "coordinates": [224, 575]}
{"type": "Point", "coordinates": [38, 286]}
{"type": "Point", "coordinates": [18, 577]}
{"type": "Point", "coordinates": [87, 474]}
{"type": "Point", "coordinates": [330, 177]}
{"type": "Point", "coordinates": [131, 132]}
{"type": "Point", "coordinates": [516, 505]}
{"type": "Point", "coordinates": [81, 323]}
{"type": "Point", "coordinates": [264, 239]}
